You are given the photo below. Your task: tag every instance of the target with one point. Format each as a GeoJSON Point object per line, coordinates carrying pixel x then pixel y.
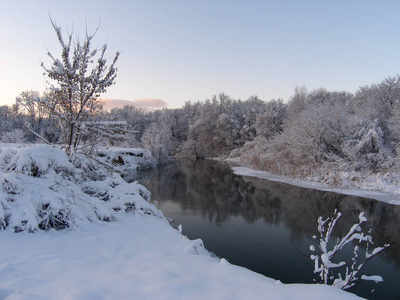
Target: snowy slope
{"type": "Point", "coordinates": [138, 257]}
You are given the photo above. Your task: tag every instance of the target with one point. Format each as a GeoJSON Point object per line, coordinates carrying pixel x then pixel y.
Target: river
{"type": "Point", "coordinates": [268, 226]}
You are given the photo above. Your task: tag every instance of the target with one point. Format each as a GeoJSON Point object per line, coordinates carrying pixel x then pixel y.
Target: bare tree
{"type": "Point", "coordinates": [30, 111]}
{"type": "Point", "coordinates": [79, 79]}
{"type": "Point", "coordinates": [29, 103]}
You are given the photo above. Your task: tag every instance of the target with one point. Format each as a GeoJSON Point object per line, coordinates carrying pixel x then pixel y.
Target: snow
{"type": "Point", "coordinates": [40, 188]}
{"type": "Point", "coordinates": [136, 257]}
{"type": "Point", "coordinates": [112, 151]}
{"type": "Point", "coordinates": [386, 192]}
{"type": "Point", "coordinates": [116, 245]}
{"type": "Point", "coordinates": [107, 123]}
{"type": "Point", "coordinates": [130, 159]}
{"type": "Point", "coordinates": [373, 278]}
{"type": "Point", "coordinates": [38, 159]}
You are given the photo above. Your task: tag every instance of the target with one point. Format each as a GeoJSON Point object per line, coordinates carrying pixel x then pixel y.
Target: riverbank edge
{"type": "Point", "coordinates": [240, 168]}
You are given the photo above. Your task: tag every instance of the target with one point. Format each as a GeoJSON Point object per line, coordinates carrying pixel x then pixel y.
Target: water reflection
{"type": "Point", "coordinates": [265, 225]}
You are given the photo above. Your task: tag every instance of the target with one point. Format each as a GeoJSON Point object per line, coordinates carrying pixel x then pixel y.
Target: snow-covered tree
{"type": "Point", "coordinates": [378, 102]}
{"type": "Point", "coordinates": [227, 132]}
{"type": "Point", "coordinates": [297, 101]}
{"type": "Point", "coordinates": [216, 127]}
{"type": "Point", "coordinates": [252, 108]}
{"type": "Point", "coordinates": [157, 138]}
{"type": "Point", "coordinates": [31, 113]}
{"type": "Point", "coordinates": [138, 118]}
{"type": "Point", "coordinates": [201, 142]}
{"type": "Point", "coordinates": [7, 120]}
{"type": "Point", "coordinates": [366, 147]}
{"type": "Point", "coordinates": [317, 132]}
{"type": "Point", "coordinates": [271, 121]}
{"type": "Point", "coordinates": [78, 78]}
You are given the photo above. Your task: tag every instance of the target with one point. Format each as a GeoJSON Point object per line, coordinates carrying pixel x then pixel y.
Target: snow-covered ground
{"type": "Point", "coordinates": [136, 257]}
{"type": "Point", "coordinates": [378, 190]}
{"type": "Point", "coordinates": [116, 246]}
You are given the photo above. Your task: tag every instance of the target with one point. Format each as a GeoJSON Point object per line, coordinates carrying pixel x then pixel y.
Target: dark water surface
{"type": "Point", "coordinates": [266, 226]}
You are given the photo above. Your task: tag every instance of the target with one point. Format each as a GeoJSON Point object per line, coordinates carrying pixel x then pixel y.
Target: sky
{"type": "Point", "coordinates": [175, 51]}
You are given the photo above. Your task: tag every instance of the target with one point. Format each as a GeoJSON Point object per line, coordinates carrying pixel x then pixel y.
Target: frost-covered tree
{"type": "Point", "coordinates": [158, 139]}
{"type": "Point", "coordinates": [303, 135]}
{"type": "Point", "coordinates": [394, 127]}
{"type": "Point", "coordinates": [378, 103]}
{"type": "Point", "coordinates": [297, 101]}
{"type": "Point", "coordinates": [366, 147]}
{"type": "Point", "coordinates": [201, 138]}
{"type": "Point", "coordinates": [7, 120]}
{"type": "Point", "coordinates": [139, 119]}
{"type": "Point", "coordinates": [29, 103]}
{"type": "Point", "coordinates": [252, 108]}
{"type": "Point", "coordinates": [317, 132]}
{"type": "Point", "coordinates": [227, 132]}
{"type": "Point", "coordinates": [375, 125]}
{"type": "Point", "coordinates": [216, 127]}
{"type": "Point", "coordinates": [77, 79]}
{"type": "Point", "coordinates": [31, 113]}
{"type": "Point", "coordinates": [270, 122]}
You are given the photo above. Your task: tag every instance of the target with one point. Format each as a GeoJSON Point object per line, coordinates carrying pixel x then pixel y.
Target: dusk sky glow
{"type": "Point", "coordinates": [177, 51]}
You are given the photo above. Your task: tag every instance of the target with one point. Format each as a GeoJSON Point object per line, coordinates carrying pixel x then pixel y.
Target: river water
{"type": "Point", "coordinates": [268, 226]}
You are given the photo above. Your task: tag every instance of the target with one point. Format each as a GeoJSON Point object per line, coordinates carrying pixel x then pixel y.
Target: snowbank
{"type": "Point", "coordinates": [389, 193]}
{"type": "Point", "coordinates": [41, 189]}
{"type": "Point", "coordinates": [129, 159]}
{"type": "Point", "coordinates": [138, 257]}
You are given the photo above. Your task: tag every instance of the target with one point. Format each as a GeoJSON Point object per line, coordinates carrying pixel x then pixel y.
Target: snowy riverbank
{"type": "Point", "coordinates": [381, 191]}
{"type": "Point", "coordinates": [115, 244]}
{"type": "Point", "coordinates": [137, 257]}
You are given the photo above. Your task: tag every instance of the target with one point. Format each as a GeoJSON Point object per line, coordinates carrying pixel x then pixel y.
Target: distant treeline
{"type": "Point", "coordinates": [314, 130]}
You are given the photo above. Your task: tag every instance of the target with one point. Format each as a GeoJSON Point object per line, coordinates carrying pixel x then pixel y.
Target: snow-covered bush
{"type": "Point", "coordinates": [323, 257]}
{"type": "Point", "coordinates": [36, 161]}
{"type": "Point", "coordinates": [41, 189]}
{"type": "Point", "coordinates": [366, 149]}
{"type": "Point", "coordinates": [14, 136]}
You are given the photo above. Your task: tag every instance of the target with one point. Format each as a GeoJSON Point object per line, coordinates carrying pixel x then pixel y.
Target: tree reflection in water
{"type": "Point", "coordinates": [266, 219]}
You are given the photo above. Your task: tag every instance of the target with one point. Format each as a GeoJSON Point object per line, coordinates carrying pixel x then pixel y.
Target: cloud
{"type": "Point", "coordinates": [148, 104]}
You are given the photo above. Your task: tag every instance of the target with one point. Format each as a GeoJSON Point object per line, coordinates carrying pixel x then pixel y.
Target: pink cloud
{"type": "Point", "coordinates": [149, 104]}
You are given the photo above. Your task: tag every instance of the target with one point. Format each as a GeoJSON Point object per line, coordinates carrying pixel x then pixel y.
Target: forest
{"type": "Point", "coordinates": [315, 133]}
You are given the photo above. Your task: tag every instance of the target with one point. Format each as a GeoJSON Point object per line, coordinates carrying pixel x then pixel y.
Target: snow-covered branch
{"type": "Point", "coordinates": [323, 264]}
